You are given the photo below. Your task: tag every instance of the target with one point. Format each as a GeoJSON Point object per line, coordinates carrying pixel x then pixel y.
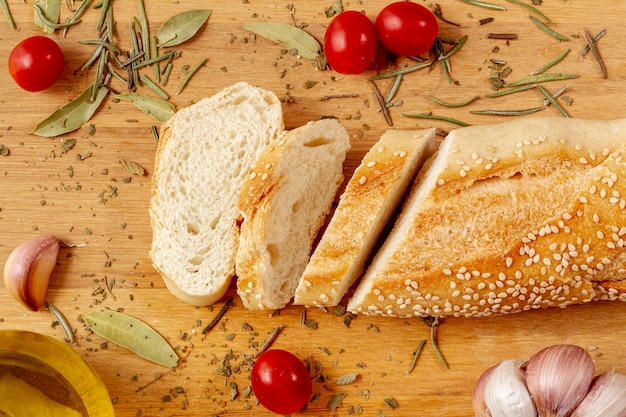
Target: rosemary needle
{"type": "Point", "coordinates": [269, 341]}
{"type": "Point", "coordinates": [61, 319]}
{"type": "Point", "coordinates": [415, 356]}
{"type": "Point", "coordinates": [433, 117]}
{"type": "Point", "coordinates": [546, 29]}
{"type": "Point", "coordinates": [448, 104]}
{"type": "Point", "coordinates": [594, 50]}
{"type": "Point", "coordinates": [552, 63]}
{"type": "Point", "coordinates": [191, 74]}
{"type": "Point", "coordinates": [218, 317]}
{"type": "Point", "coordinates": [7, 13]}
{"type": "Point", "coordinates": [553, 101]}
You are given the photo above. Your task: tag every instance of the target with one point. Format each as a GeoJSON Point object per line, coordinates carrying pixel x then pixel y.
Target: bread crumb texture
{"type": "Point", "coordinates": [511, 217]}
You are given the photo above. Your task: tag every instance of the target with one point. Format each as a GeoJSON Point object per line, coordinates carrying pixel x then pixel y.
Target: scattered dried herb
{"type": "Point", "coordinates": [288, 35]}
{"type": "Point", "coordinates": [510, 91]}
{"type": "Point", "coordinates": [595, 39]}
{"type": "Point", "coordinates": [347, 379]}
{"type": "Point", "coordinates": [7, 13]}
{"type": "Point", "coordinates": [4, 151]}
{"type": "Point", "coordinates": [132, 167]}
{"type": "Point", "coordinates": [429, 116]}
{"type": "Point", "coordinates": [62, 321]}
{"type": "Point", "coordinates": [456, 104]}
{"type": "Point", "coordinates": [190, 75]}
{"type": "Point", "coordinates": [415, 356]}
{"type": "Point", "coordinates": [484, 5]}
{"type": "Point", "coordinates": [391, 402]}
{"type": "Point", "coordinates": [433, 322]}
{"type": "Point", "coordinates": [515, 112]}
{"type": "Point", "coordinates": [547, 29]}
{"type": "Point", "coordinates": [541, 78]}
{"type": "Point", "coordinates": [532, 9]}
{"type": "Point", "coordinates": [404, 70]}
{"type": "Point", "coordinates": [219, 316]}
{"type": "Point", "coordinates": [456, 48]}
{"type": "Point", "coordinates": [553, 101]}
{"type": "Point", "coordinates": [503, 36]}
{"type": "Point", "coordinates": [552, 63]}
{"type": "Point", "coordinates": [73, 115]}
{"type": "Point", "coordinates": [47, 14]}
{"type": "Point", "coordinates": [269, 341]}
{"type": "Point", "coordinates": [381, 102]}
{"type": "Point", "coordinates": [437, 12]}
{"type": "Point", "coordinates": [594, 50]}
{"type": "Point", "coordinates": [335, 400]}
{"type": "Point", "coordinates": [182, 27]}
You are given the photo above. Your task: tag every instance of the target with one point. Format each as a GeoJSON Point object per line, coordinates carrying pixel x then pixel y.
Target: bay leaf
{"type": "Point", "coordinates": [51, 10]}
{"type": "Point", "coordinates": [73, 115]}
{"type": "Point", "coordinates": [290, 36]}
{"type": "Point", "coordinates": [133, 334]}
{"type": "Point", "coordinates": [160, 110]}
{"type": "Point", "coordinates": [182, 27]}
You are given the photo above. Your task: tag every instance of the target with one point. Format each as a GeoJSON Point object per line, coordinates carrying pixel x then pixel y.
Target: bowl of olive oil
{"type": "Point", "coordinates": [40, 375]}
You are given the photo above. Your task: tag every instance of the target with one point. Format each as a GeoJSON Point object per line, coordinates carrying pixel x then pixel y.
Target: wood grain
{"type": "Point", "coordinates": [89, 202]}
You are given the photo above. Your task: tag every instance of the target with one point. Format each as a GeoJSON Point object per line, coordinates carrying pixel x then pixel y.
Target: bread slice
{"type": "Point", "coordinates": [509, 217]}
{"type": "Point", "coordinates": [203, 158]}
{"type": "Point", "coordinates": [284, 203]}
{"type": "Point", "coordinates": [371, 196]}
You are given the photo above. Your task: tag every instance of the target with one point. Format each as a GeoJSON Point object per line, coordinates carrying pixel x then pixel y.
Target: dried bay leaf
{"type": "Point", "coordinates": [73, 115]}
{"type": "Point", "coordinates": [160, 110]}
{"type": "Point", "coordinates": [182, 27]}
{"type": "Point", "coordinates": [133, 334]}
{"type": "Point", "coordinates": [290, 36]}
{"type": "Point", "coordinates": [51, 10]}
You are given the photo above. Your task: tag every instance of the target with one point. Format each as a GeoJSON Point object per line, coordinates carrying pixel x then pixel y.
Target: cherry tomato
{"type": "Point", "coordinates": [406, 28]}
{"type": "Point", "coordinates": [350, 42]}
{"type": "Point", "coordinates": [281, 382]}
{"type": "Point", "coordinates": [36, 63]}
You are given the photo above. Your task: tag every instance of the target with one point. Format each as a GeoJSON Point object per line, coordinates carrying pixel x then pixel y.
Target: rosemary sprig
{"type": "Point", "coordinates": [548, 30]}
{"type": "Point", "coordinates": [269, 341]}
{"type": "Point", "coordinates": [520, 112]}
{"type": "Point", "coordinates": [541, 78]}
{"type": "Point", "coordinates": [381, 103]}
{"type": "Point", "coordinates": [219, 316]}
{"type": "Point", "coordinates": [7, 13]}
{"type": "Point", "coordinates": [553, 101]}
{"type": "Point", "coordinates": [415, 356]}
{"type": "Point", "coordinates": [432, 322]}
{"type": "Point", "coordinates": [191, 74]}
{"type": "Point", "coordinates": [400, 71]}
{"type": "Point", "coordinates": [458, 45]}
{"type": "Point", "coordinates": [62, 321]}
{"type": "Point", "coordinates": [595, 39]}
{"type": "Point", "coordinates": [484, 5]}
{"type": "Point", "coordinates": [513, 90]}
{"type": "Point", "coordinates": [448, 104]}
{"type": "Point", "coordinates": [594, 50]}
{"type": "Point", "coordinates": [552, 63]}
{"type": "Point", "coordinates": [532, 9]}
{"type": "Point", "coordinates": [434, 117]}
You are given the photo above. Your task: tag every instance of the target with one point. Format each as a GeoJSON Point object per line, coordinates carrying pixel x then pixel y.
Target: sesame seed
{"type": "Point", "coordinates": [362, 180]}
{"type": "Point", "coordinates": [252, 175]}
{"type": "Point", "coordinates": [371, 164]}
{"type": "Point", "coordinates": [265, 176]}
{"type": "Point", "coordinates": [381, 149]}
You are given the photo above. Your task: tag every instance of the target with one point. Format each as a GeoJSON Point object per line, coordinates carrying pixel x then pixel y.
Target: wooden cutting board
{"type": "Point", "coordinates": [86, 198]}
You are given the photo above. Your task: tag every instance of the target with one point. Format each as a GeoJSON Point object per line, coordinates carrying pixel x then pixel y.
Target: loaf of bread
{"type": "Point", "coordinates": [284, 202]}
{"type": "Point", "coordinates": [203, 158]}
{"type": "Point", "coordinates": [506, 218]}
{"type": "Point", "coordinates": [370, 198]}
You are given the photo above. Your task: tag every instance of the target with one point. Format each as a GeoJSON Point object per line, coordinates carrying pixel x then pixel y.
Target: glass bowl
{"type": "Point", "coordinates": [40, 375]}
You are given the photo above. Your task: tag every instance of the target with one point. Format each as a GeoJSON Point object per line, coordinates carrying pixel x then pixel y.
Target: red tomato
{"type": "Point", "coordinates": [281, 382]}
{"type": "Point", "coordinates": [350, 42]}
{"type": "Point", "coordinates": [406, 28]}
{"type": "Point", "coordinates": [36, 63]}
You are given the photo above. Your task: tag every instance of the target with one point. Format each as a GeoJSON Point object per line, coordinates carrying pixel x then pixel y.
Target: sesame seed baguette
{"type": "Point", "coordinates": [284, 203]}
{"type": "Point", "coordinates": [509, 217]}
{"type": "Point", "coordinates": [202, 161]}
{"type": "Point", "coordinates": [370, 198]}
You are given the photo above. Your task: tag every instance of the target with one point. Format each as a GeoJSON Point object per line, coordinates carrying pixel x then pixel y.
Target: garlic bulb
{"type": "Point", "coordinates": [606, 398]}
{"type": "Point", "coordinates": [28, 268]}
{"type": "Point", "coordinates": [506, 394]}
{"type": "Point", "coordinates": [478, 395]}
{"type": "Point", "coordinates": [558, 378]}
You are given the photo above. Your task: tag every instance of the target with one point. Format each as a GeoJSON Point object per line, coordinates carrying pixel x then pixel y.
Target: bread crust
{"type": "Point", "coordinates": [509, 217]}
{"type": "Point", "coordinates": [283, 204]}
{"type": "Point", "coordinates": [369, 199]}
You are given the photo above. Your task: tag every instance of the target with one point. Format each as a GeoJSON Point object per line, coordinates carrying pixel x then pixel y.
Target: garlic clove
{"type": "Point", "coordinates": [28, 268]}
{"type": "Point", "coordinates": [478, 395]}
{"type": "Point", "coordinates": [558, 378]}
{"type": "Point", "coordinates": [606, 398]}
{"type": "Point", "coordinates": [506, 394]}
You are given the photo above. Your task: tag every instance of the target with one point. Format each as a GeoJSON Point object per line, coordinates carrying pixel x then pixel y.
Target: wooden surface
{"type": "Point", "coordinates": [88, 202]}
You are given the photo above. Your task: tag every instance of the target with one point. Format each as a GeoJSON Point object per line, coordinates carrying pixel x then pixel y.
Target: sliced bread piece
{"type": "Point", "coordinates": [284, 203]}
{"type": "Point", "coordinates": [370, 198]}
{"type": "Point", "coordinates": [203, 158]}
{"type": "Point", "coordinates": [509, 217]}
